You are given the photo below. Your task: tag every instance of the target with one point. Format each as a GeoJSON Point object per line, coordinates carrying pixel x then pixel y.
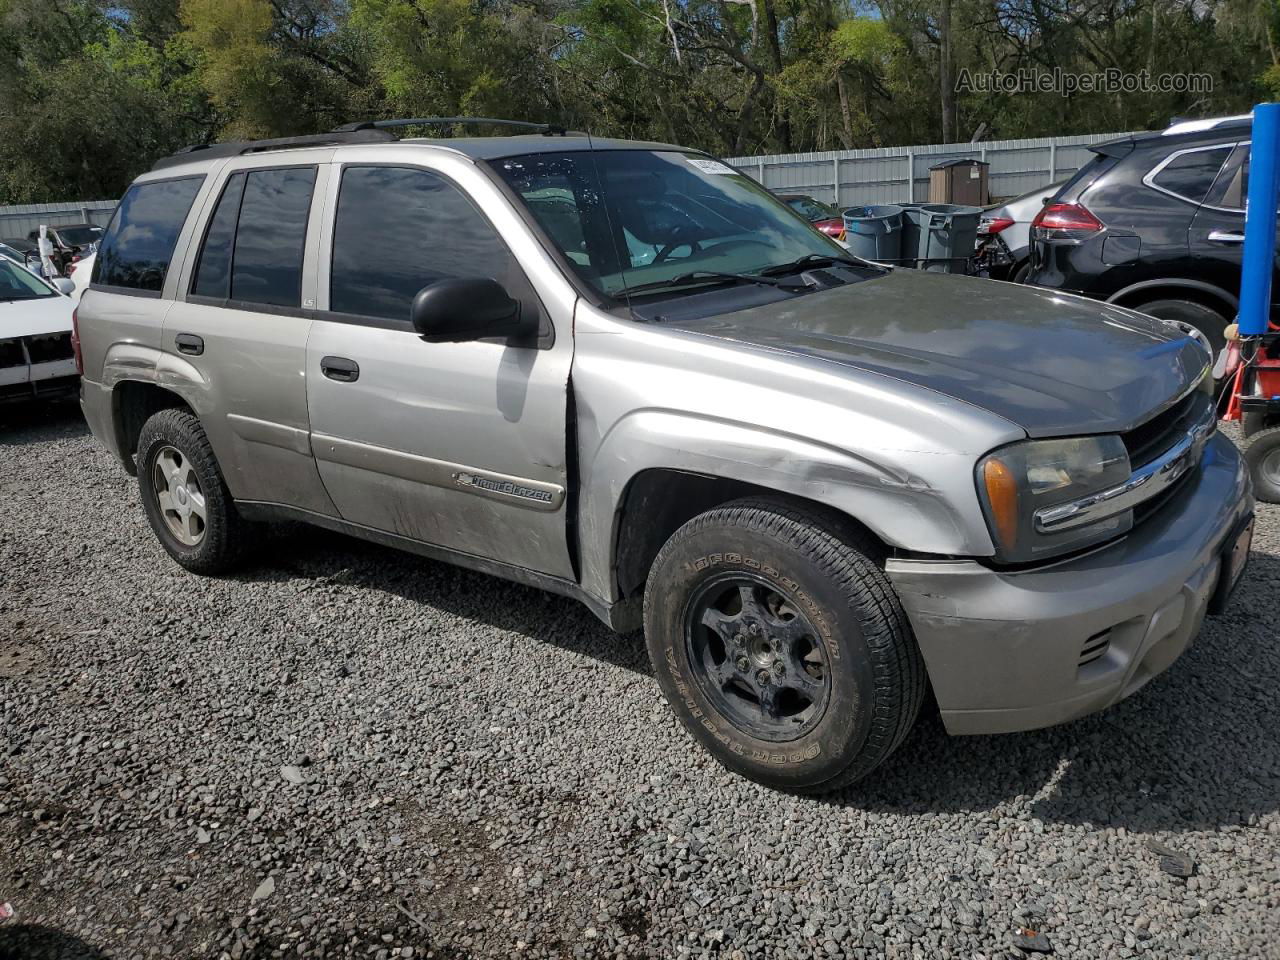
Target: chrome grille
{"type": "Point", "coordinates": [1149, 440]}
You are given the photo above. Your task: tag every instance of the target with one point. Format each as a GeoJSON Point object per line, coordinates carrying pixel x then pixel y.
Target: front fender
{"type": "Point", "coordinates": [895, 502]}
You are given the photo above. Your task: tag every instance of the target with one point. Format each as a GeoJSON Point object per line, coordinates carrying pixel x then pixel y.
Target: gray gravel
{"type": "Point", "coordinates": [346, 751]}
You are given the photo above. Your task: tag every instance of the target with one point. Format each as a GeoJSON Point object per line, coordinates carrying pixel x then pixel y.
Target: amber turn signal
{"type": "Point", "coordinates": [1002, 495]}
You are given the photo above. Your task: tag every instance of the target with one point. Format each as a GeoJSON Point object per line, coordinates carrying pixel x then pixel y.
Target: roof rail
{"type": "Point", "coordinates": [546, 129]}
{"type": "Point", "coordinates": [234, 148]}
{"type": "Point", "coordinates": [1183, 125]}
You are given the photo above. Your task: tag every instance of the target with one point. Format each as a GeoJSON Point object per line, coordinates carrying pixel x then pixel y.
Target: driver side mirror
{"type": "Point", "coordinates": [467, 308]}
{"type": "Point", "coordinates": [64, 284]}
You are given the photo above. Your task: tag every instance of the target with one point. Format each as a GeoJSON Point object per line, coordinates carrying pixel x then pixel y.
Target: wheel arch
{"type": "Point", "coordinates": [659, 500]}
{"type": "Point", "coordinates": [133, 402]}
{"type": "Point", "coordinates": [1198, 291]}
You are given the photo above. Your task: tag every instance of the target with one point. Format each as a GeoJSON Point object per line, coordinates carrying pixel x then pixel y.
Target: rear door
{"type": "Point", "coordinates": [459, 445]}
{"type": "Point", "coordinates": [238, 334]}
{"type": "Point", "coordinates": [1181, 180]}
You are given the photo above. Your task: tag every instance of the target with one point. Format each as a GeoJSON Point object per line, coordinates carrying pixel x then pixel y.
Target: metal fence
{"type": "Point", "coordinates": [901, 174]}
{"type": "Point", "coordinates": [20, 220]}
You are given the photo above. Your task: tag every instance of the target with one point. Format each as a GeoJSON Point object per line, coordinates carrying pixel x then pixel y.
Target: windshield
{"type": "Point", "coordinates": [17, 283]}
{"type": "Point", "coordinates": [624, 218]}
{"type": "Point", "coordinates": [811, 209]}
{"type": "Point", "coordinates": [78, 235]}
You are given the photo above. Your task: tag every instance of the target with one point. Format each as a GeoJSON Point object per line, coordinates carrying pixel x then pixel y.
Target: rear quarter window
{"type": "Point", "coordinates": [138, 245]}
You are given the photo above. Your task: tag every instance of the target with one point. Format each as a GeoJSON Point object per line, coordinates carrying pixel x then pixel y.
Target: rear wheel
{"type": "Point", "coordinates": [781, 645]}
{"type": "Point", "coordinates": [1021, 272]}
{"type": "Point", "coordinates": [1205, 319]}
{"type": "Point", "coordinates": [184, 495]}
{"type": "Point", "coordinates": [1263, 458]}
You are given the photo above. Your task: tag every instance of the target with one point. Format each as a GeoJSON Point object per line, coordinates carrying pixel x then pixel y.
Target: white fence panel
{"type": "Point", "coordinates": [18, 221]}
{"type": "Point", "coordinates": [901, 174]}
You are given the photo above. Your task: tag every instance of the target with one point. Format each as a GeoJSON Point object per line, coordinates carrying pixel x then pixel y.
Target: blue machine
{"type": "Point", "coordinates": [1255, 398]}
{"type": "Point", "coordinates": [1260, 221]}
{"type": "Point", "coordinates": [1256, 379]}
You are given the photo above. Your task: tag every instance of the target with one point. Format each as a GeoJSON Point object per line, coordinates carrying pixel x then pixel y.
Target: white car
{"type": "Point", "coordinates": [1004, 233]}
{"type": "Point", "coordinates": [36, 355]}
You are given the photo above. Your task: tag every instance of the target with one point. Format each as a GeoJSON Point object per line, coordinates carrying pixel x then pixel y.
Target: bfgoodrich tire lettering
{"type": "Point", "coordinates": [818, 564]}
{"type": "Point", "coordinates": [173, 442]}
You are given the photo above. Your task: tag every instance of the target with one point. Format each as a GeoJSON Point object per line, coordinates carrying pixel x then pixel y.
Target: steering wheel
{"type": "Point", "coordinates": [674, 244]}
{"type": "Point", "coordinates": [736, 245]}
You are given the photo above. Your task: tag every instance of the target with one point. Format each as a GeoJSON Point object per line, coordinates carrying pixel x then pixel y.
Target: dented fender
{"type": "Point", "coordinates": [900, 506]}
{"type": "Point", "coordinates": [900, 460]}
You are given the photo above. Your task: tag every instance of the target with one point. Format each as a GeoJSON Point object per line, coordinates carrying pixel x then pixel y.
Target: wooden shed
{"type": "Point", "coordinates": [959, 181]}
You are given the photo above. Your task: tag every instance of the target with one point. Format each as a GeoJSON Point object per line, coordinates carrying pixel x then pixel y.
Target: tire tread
{"type": "Point", "coordinates": [844, 552]}
{"type": "Point", "coordinates": [224, 538]}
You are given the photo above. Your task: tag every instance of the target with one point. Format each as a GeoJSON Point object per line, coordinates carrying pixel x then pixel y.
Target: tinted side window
{"type": "Point", "coordinates": [213, 271]}
{"type": "Point", "coordinates": [397, 230]}
{"type": "Point", "coordinates": [138, 246]}
{"type": "Point", "coordinates": [1189, 175]}
{"type": "Point", "coordinates": [266, 260]}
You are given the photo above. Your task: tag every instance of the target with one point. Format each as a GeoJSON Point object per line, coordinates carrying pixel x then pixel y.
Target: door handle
{"type": "Point", "coordinates": [189, 344]}
{"type": "Point", "coordinates": [1226, 236]}
{"type": "Point", "coordinates": [340, 369]}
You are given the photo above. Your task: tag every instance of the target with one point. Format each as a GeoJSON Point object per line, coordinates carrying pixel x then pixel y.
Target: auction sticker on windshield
{"type": "Point", "coordinates": [710, 166]}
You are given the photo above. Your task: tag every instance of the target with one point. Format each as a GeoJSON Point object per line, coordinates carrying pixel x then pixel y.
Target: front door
{"type": "Point", "coordinates": [1217, 232]}
{"type": "Point", "coordinates": [460, 445]}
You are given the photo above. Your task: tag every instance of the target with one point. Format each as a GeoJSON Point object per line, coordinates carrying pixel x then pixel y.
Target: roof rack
{"type": "Point", "coordinates": [546, 129]}
{"type": "Point", "coordinates": [364, 131]}
{"type": "Point", "coordinates": [235, 148]}
{"type": "Point", "coordinates": [1179, 125]}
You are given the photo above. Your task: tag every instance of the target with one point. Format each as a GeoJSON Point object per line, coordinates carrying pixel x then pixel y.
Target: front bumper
{"type": "Point", "coordinates": [1017, 650]}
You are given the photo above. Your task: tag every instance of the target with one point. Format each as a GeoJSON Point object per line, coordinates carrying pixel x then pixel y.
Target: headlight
{"type": "Point", "coordinates": [1016, 481]}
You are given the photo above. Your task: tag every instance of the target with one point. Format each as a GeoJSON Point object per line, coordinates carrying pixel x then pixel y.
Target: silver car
{"type": "Point", "coordinates": [624, 372]}
{"type": "Point", "coordinates": [1004, 234]}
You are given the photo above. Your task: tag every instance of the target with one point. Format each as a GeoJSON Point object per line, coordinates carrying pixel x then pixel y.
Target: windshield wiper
{"type": "Point", "coordinates": [704, 276]}
{"type": "Point", "coordinates": [819, 260]}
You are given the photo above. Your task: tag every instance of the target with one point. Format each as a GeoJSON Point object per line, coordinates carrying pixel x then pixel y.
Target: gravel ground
{"type": "Point", "coordinates": [346, 751]}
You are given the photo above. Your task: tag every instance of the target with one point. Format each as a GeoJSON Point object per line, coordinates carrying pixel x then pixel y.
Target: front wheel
{"type": "Point", "coordinates": [781, 645]}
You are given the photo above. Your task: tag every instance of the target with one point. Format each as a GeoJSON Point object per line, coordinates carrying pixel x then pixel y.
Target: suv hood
{"type": "Point", "coordinates": [1054, 364]}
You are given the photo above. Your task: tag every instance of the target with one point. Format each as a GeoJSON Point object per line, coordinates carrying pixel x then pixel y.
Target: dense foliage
{"type": "Point", "coordinates": [92, 92]}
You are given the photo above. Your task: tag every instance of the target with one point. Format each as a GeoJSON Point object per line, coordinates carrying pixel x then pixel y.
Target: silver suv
{"type": "Point", "coordinates": [625, 373]}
